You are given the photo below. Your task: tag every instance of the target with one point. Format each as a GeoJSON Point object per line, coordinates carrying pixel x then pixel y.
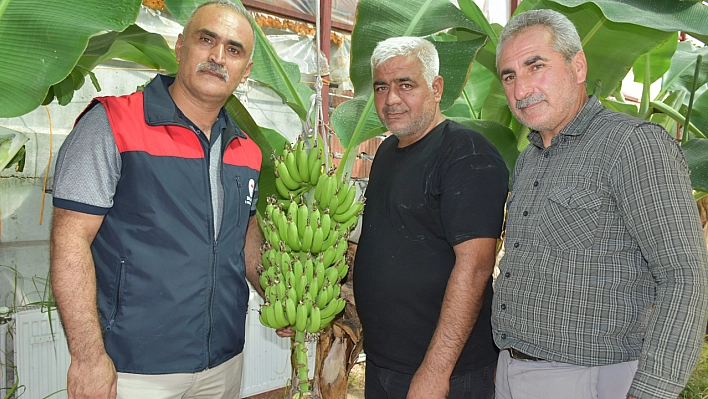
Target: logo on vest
{"type": "Point", "coordinates": [251, 188]}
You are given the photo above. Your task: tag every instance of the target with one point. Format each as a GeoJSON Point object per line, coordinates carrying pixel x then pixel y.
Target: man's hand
{"type": "Point", "coordinates": [427, 385]}
{"type": "Point", "coordinates": [92, 379]}
{"type": "Point", "coordinates": [285, 332]}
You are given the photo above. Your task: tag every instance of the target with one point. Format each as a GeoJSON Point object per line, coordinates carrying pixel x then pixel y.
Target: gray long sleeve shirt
{"type": "Point", "coordinates": [605, 256]}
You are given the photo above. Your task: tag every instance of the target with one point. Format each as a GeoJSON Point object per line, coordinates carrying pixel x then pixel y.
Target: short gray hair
{"type": "Point", "coordinates": [565, 39]}
{"type": "Point", "coordinates": [408, 46]}
{"type": "Point", "coordinates": [237, 8]}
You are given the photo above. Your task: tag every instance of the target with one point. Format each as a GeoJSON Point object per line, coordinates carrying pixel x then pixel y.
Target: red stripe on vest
{"type": "Point", "coordinates": [243, 152]}
{"type": "Point", "coordinates": [131, 133]}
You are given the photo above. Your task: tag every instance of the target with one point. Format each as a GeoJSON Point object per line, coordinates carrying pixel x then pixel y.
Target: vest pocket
{"type": "Point", "coordinates": [120, 281]}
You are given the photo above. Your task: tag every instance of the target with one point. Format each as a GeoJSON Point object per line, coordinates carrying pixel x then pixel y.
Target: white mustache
{"type": "Point", "coordinates": [530, 100]}
{"type": "Point", "coordinates": [214, 67]}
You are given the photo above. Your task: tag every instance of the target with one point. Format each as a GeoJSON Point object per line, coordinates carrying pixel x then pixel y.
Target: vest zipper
{"type": "Point", "coordinates": [238, 200]}
{"type": "Point", "coordinates": [119, 285]}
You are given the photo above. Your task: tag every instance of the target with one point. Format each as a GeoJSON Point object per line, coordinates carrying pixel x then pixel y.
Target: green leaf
{"type": "Point", "coordinates": [627, 108]}
{"type": "Point", "coordinates": [660, 60]}
{"type": "Point", "coordinates": [696, 152]}
{"type": "Point", "coordinates": [699, 116]}
{"type": "Point", "coordinates": [41, 41]}
{"type": "Point", "coordinates": [664, 15]}
{"type": "Point", "coordinates": [349, 114]}
{"type": "Point", "coordinates": [683, 66]}
{"type": "Point", "coordinates": [12, 143]}
{"type": "Point", "coordinates": [501, 136]}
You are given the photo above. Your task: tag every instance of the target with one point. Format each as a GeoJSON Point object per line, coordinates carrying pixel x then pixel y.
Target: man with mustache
{"type": "Point", "coordinates": [603, 289]}
{"type": "Point", "coordinates": [434, 210]}
{"type": "Point", "coordinates": [154, 232]}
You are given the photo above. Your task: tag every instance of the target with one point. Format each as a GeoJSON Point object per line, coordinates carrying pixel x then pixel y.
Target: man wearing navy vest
{"type": "Point", "coordinates": [154, 232]}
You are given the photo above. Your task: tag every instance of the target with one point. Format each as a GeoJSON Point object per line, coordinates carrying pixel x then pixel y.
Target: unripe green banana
{"type": "Point", "coordinates": [315, 167]}
{"type": "Point", "coordinates": [330, 184]}
{"type": "Point", "coordinates": [336, 289]}
{"type": "Point", "coordinates": [307, 237]}
{"type": "Point", "coordinates": [330, 309]}
{"type": "Point", "coordinates": [263, 319]}
{"type": "Point", "coordinates": [302, 217]}
{"type": "Point", "coordinates": [326, 222]}
{"type": "Point", "coordinates": [340, 249]}
{"type": "Point", "coordinates": [317, 240]}
{"type": "Point", "coordinates": [314, 287]}
{"type": "Point", "coordinates": [350, 213]}
{"type": "Point", "coordinates": [280, 288]}
{"type": "Point", "coordinates": [332, 275]}
{"type": "Point", "coordinates": [315, 217]}
{"type": "Point", "coordinates": [279, 312]}
{"type": "Point", "coordinates": [314, 324]}
{"type": "Point", "coordinates": [325, 322]}
{"type": "Point", "coordinates": [330, 292]}
{"type": "Point", "coordinates": [309, 271]}
{"type": "Point", "coordinates": [293, 210]}
{"type": "Point", "coordinates": [293, 238]}
{"type": "Point", "coordinates": [343, 269]}
{"type": "Point", "coordinates": [301, 317]}
{"type": "Point", "coordinates": [321, 183]}
{"type": "Point", "coordinates": [286, 178]}
{"type": "Point", "coordinates": [329, 256]}
{"type": "Point", "coordinates": [269, 311]}
{"type": "Point", "coordinates": [313, 155]}
{"type": "Point", "coordinates": [300, 287]}
{"type": "Point", "coordinates": [348, 225]}
{"type": "Point", "coordinates": [291, 311]}
{"type": "Point", "coordinates": [331, 239]}
{"type": "Point", "coordinates": [291, 164]}
{"type": "Point", "coordinates": [348, 200]}
{"type": "Point", "coordinates": [297, 268]}
{"type": "Point", "coordinates": [321, 300]}
{"type": "Point", "coordinates": [302, 166]}
{"type": "Point", "coordinates": [274, 237]}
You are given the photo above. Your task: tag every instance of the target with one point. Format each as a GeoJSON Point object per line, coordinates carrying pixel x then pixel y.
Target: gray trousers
{"type": "Point", "coordinates": [528, 379]}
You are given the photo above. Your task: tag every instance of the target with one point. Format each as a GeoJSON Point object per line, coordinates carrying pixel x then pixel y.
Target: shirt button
{"type": "Point", "coordinates": [503, 336]}
{"type": "Point", "coordinates": [503, 307]}
{"type": "Point", "coordinates": [516, 245]}
{"type": "Point", "coordinates": [545, 155]}
{"type": "Point", "coordinates": [535, 184]}
{"type": "Point", "coordinates": [526, 213]}
{"type": "Point", "coordinates": [507, 274]}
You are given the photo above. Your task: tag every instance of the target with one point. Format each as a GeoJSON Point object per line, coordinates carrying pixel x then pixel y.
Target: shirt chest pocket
{"type": "Point", "coordinates": [570, 217]}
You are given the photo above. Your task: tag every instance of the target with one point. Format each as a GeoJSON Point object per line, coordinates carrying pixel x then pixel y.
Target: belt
{"type": "Point", "coordinates": [515, 354]}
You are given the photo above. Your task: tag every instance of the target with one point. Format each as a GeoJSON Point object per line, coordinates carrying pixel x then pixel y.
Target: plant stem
{"type": "Point", "coordinates": [684, 138]}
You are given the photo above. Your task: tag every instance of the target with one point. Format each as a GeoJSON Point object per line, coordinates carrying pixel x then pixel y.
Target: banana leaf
{"type": "Point", "coordinates": [669, 16]}
{"type": "Point", "coordinates": [12, 148]}
{"type": "Point", "coordinates": [378, 20]}
{"type": "Point", "coordinates": [699, 116]}
{"type": "Point", "coordinates": [683, 66]}
{"type": "Point", "coordinates": [133, 44]}
{"type": "Point", "coordinates": [659, 61]}
{"type": "Point", "coordinates": [696, 152]}
{"type": "Point", "coordinates": [41, 41]}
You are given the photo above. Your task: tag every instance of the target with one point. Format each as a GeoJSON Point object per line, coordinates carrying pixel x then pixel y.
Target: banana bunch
{"type": "Point", "coordinates": [297, 170]}
{"type": "Point", "coordinates": [306, 229]}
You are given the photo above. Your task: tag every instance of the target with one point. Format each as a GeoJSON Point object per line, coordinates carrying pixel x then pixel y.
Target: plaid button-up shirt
{"type": "Point", "coordinates": [605, 256]}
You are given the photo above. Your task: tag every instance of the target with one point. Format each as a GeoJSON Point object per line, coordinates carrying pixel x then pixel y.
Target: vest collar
{"type": "Point", "coordinates": [160, 109]}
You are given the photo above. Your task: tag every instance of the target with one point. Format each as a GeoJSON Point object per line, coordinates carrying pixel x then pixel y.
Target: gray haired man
{"type": "Point", "coordinates": [603, 291]}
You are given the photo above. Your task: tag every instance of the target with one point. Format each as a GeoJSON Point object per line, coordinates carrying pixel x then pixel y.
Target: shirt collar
{"type": "Point", "coordinates": [577, 125]}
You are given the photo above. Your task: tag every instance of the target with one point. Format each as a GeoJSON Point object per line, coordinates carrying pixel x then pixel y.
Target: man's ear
{"type": "Point", "coordinates": [178, 46]}
{"type": "Point", "coordinates": [438, 86]}
{"type": "Point", "coordinates": [580, 65]}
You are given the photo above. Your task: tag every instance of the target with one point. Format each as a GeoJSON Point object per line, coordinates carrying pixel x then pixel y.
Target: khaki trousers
{"type": "Point", "coordinates": [220, 382]}
{"type": "Point", "coordinates": [528, 379]}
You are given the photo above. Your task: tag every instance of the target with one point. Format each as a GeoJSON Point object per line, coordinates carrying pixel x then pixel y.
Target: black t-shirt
{"type": "Point", "coordinates": [422, 200]}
